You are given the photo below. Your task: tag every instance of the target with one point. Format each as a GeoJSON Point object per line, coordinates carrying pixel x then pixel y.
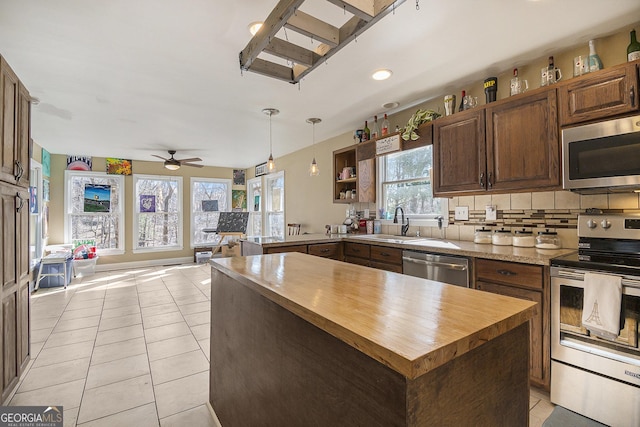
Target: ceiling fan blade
{"type": "Point", "coordinates": [193, 159]}
{"type": "Point", "coordinates": [160, 157]}
{"type": "Point", "coordinates": [191, 164]}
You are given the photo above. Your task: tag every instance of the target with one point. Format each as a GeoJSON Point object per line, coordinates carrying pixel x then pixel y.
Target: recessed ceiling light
{"type": "Point", "coordinates": [390, 105]}
{"type": "Point", "coordinates": [254, 27]}
{"type": "Point", "coordinates": [383, 74]}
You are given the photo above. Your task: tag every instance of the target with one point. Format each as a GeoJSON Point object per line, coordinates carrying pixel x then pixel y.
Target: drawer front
{"type": "Point", "coordinates": [327, 250]}
{"type": "Point", "coordinates": [357, 250]}
{"type": "Point", "coordinates": [293, 248]}
{"type": "Point", "coordinates": [388, 267]}
{"type": "Point", "coordinates": [386, 255]}
{"type": "Point", "coordinates": [356, 260]}
{"type": "Point", "coordinates": [523, 275]}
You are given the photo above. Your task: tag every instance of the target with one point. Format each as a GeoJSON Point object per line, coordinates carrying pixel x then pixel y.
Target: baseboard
{"type": "Point", "coordinates": [142, 264]}
{"type": "Point", "coordinates": [216, 421]}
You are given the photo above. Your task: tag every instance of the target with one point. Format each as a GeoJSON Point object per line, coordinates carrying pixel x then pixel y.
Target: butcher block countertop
{"type": "Point", "coordinates": [409, 324]}
{"type": "Point", "coordinates": [425, 244]}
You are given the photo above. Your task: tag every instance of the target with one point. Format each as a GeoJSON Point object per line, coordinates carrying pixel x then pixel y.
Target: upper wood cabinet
{"type": "Point", "coordinates": [599, 95]}
{"type": "Point", "coordinates": [523, 148]}
{"type": "Point", "coordinates": [15, 126]}
{"type": "Point", "coordinates": [509, 145]}
{"type": "Point", "coordinates": [459, 153]}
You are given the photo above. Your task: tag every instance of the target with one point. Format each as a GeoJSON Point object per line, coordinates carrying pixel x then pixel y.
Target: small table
{"type": "Point", "coordinates": [53, 259]}
{"type": "Point", "coordinates": [221, 236]}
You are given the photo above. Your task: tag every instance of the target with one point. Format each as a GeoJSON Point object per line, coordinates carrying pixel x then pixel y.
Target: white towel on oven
{"type": "Point", "coordinates": [602, 304]}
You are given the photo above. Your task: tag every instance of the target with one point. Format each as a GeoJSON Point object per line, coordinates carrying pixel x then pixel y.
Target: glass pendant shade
{"type": "Point", "coordinates": [314, 170]}
{"type": "Point", "coordinates": [271, 164]}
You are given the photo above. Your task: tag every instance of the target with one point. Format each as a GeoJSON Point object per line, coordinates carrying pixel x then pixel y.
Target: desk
{"type": "Point", "coordinates": [53, 259]}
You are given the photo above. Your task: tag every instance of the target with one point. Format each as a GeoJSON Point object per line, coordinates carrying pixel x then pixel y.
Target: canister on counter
{"type": "Point", "coordinates": [502, 237]}
{"type": "Point", "coordinates": [523, 239]}
{"type": "Point", "coordinates": [548, 240]}
{"type": "Point", "coordinates": [482, 236]}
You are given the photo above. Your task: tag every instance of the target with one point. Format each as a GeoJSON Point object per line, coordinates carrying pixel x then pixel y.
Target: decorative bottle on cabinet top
{"type": "Point", "coordinates": [375, 129]}
{"type": "Point", "coordinates": [633, 50]}
{"type": "Point", "coordinates": [595, 63]}
{"type": "Point", "coordinates": [462, 101]}
{"type": "Point", "coordinates": [385, 126]}
{"type": "Point", "coordinates": [366, 132]}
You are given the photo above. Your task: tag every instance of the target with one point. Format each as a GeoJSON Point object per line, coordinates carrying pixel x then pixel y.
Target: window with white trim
{"type": "Point", "coordinates": [274, 206]}
{"type": "Point", "coordinates": [209, 197]}
{"type": "Point", "coordinates": [157, 213]}
{"type": "Point", "coordinates": [254, 204]}
{"type": "Point", "coordinates": [405, 181]}
{"type": "Point", "coordinates": [94, 210]}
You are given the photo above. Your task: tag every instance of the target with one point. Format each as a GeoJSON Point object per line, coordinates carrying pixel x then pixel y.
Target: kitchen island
{"type": "Point", "coordinates": [304, 340]}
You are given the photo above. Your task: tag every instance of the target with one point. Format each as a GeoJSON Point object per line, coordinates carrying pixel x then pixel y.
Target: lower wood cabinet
{"type": "Point", "coordinates": [14, 291]}
{"type": "Point", "coordinates": [331, 250]}
{"type": "Point", "coordinates": [381, 257]}
{"type": "Point", "coordinates": [528, 282]}
{"type": "Point", "coordinates": [327, 250]}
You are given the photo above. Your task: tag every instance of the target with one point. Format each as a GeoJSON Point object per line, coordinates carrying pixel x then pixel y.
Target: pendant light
{"type": "Point", "coordinates": [271, 165]}
{"type": "Point", "coordinates": [313, 168]}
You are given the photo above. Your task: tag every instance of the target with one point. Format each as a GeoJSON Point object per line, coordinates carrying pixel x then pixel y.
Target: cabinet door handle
{"type": "Point", "coordinates": [20, 170]}
{"type": "Point", "coordinates": [632, 93]}
{"type": "Point", "coordinates": [482, 180]}
{"type": "Point", "coordinates": [384, 254]}
{"type": "Point", "coordinates": [489, 185]}
{"type": "Point", "coordinates": [507, 273]}
{"type": "Point", "coordinates": [20, 204]}
{"type": "Point", "coordinates": [324, 251]}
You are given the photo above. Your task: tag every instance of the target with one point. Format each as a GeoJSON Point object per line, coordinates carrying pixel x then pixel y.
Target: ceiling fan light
{"type": "Point", "coordinates": [171, 166]}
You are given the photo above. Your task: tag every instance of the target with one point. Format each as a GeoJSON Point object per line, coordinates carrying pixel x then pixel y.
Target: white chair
{"type": "Point", "coordinates": [293, 229]}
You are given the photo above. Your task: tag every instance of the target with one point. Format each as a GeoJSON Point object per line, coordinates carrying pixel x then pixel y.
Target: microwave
{"type": "Point", "coordinates": [602, 157]}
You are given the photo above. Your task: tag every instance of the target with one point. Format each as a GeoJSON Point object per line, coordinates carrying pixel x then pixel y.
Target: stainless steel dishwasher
{"type": "Point", "coordinates": [443, 268]}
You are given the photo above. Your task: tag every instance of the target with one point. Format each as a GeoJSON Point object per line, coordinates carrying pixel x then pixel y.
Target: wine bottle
{"type": "Point", "coordinates": [385, 126]}
{"type": "Point", "coordinates": [366, 132]}
{"type": "Point", "coordinates": [462, 101]}
{"type": "Point", "coordinates": [633, 50]}
{"type": "Point", "coordinates": [595, 63]}
{"type": "Point", "coordinates": [375, 129]}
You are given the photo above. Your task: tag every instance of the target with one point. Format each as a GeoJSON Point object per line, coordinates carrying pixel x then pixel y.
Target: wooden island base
{"type": "Point", "coordinates": [269, 367]}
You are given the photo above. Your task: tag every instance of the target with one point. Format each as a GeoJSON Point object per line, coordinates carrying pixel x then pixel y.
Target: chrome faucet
{"type": "Point", "coordinates": [404, 227]}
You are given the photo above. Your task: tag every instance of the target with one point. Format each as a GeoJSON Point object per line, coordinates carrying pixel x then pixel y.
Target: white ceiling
{"type": "Point", "coordinates": [132, 78]}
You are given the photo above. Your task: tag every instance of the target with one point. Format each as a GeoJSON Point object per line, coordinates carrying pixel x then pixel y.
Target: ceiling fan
{"type": "Point", "coordinates": [174, 164]}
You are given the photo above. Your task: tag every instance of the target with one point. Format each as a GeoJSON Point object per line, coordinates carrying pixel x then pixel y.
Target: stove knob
{"type": "Point", "coordinates": [605, 224]}
{"type": "Point", "coordinates": [592, 224]}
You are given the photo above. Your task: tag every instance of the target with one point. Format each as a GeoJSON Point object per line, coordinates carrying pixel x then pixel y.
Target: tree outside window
{"type": "Point", "coordinates": [209, 197]}
{"type": "Point", "coordinates": [104, 228]}
{"type": "Point", "coordinates": [406, 181]}
{"type": "Point", "coordinates": [158, 212]}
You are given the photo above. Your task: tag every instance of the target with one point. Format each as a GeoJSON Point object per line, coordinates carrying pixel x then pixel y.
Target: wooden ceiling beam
{"type": "Point", "coordinates": [363, 9]}
{"type": "Point", "coordinates": [271, 69]}
{"type": "Point", "coordinates": [274, 22]}
{"type": "Point", "coordinates": [292, 52]}
{"type": "Point", "coordinates": [313, 27]}
{"type": "Point", "coordinates": [304, 61]}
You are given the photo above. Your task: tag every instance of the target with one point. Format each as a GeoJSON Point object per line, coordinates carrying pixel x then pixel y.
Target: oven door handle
{"type": "Point", "coordinates": [629, 286]}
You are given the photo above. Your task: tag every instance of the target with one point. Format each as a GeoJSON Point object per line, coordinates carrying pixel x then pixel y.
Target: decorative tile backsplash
{"type": "Point", "coordinates": [555, 210]}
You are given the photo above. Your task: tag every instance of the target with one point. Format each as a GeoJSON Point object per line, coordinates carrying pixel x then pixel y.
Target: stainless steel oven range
{"type": "Point", "coordinates": [596, 377]}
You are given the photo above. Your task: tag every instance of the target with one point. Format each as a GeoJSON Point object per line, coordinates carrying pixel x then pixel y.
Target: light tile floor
{"type": "Point", "coordinates": [131, 348]}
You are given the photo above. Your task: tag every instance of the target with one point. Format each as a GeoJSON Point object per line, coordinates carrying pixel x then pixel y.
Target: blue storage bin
{"type": "Point", "coordinates": [53, 281]}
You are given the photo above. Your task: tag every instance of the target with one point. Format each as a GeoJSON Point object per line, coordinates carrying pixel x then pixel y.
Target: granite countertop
{"type": "Point", "coordinates": [396, 319]}
{"type": "Point", "coordinates": [424, 244]}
